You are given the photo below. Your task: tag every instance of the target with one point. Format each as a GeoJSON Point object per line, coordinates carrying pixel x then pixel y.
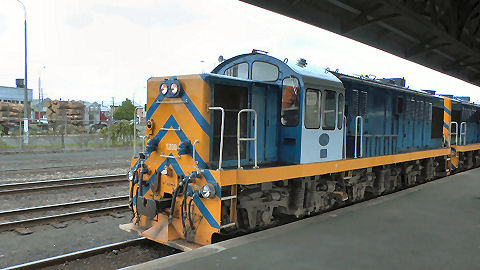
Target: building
{"type": "Point", "coordinates": [14, 94]}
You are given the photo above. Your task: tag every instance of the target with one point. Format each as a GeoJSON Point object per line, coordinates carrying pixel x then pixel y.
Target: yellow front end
{"type": "Point", "coordinates": [177, 132]}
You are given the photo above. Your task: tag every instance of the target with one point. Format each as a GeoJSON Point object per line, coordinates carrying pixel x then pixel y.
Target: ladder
{"type": "Point", "coordinates": [233, 208]}
{"type": "Point", "coordinates": [240, 139]}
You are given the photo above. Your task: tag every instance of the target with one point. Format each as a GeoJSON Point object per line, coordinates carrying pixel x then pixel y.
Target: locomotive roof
{"type": "Point", "coordinates": [399, 88]}
{"type": "Point", "coordinates": [307, 72]}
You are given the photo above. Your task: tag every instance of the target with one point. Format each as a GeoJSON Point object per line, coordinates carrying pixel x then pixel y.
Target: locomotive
{"type": "Point", "coordinates": [259, 140]}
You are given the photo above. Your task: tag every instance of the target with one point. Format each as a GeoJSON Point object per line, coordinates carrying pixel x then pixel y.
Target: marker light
{"type": "Point", "coordinates": [131, 175]}
{"type": "Point", "coordinates": [208, 191]}
{"type": "Point", "coordinates": [174, 88]}
{"type": "Point", "coordinates": [164, 89]}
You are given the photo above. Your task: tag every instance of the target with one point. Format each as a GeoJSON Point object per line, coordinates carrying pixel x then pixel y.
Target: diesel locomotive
{"type": "Point", "coordinates": [260, 139]}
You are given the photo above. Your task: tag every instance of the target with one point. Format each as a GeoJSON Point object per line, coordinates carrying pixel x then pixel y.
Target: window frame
{"type": "Point", "coordinates": [340, 120]}
{"type": "Point", "coordinates": [298, 101]}
{"type": "Point", "coordinates": [323, 105]}
{"type": "Point", "coordinates": [259, 61]}
{"type": "Point", "coordinates": [248, 70]}
{"type": "Point", "coordinates": [319, 107]}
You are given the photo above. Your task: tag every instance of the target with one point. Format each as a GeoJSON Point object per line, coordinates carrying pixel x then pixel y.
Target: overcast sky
{"type": "Point", "coordinates": [95, 50]}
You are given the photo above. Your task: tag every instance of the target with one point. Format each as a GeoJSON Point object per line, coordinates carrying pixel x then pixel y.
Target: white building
{"type": "Point", "coordinates": [14, 94]}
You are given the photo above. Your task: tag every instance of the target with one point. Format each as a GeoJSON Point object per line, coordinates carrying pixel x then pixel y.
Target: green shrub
{"type": "Point", "coordinates": [120, 132]}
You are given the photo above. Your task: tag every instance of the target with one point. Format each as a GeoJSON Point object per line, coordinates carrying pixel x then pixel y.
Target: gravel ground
{"type": "Point", "coordinates": [47, 241]}
{"type": "Point", "coordinates": [38, 198]}
{"type": "Point", "coordinates": [30, 166]}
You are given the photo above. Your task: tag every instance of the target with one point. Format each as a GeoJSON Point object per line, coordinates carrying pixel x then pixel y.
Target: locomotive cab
{"type": "Point", "coordinates": [299, 111]}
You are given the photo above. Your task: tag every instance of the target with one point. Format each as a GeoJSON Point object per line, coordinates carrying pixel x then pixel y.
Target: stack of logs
{"type": "Point", "coordinates": [71, 111]}
{"type": "Point", "coordinates": [10, 112]}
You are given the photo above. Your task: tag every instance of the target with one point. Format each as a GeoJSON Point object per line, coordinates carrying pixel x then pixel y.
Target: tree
{"type": "Point", "coordinates": [125, 111]}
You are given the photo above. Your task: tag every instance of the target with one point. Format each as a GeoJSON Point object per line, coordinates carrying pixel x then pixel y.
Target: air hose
{"type": "Point", "coordinates": [190, 213]}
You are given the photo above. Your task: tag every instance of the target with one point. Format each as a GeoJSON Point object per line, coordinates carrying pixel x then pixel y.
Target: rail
{"type": "Point", "coordinates": [463, 133]}
{"type": "Point", "coordinates": [11, 188]}
{"type": "Point", "coordinates": [193, 152]}
{"type": "Point", "coordinates": [221, 135]}
{"type": "Point", "coordinates": [358, 119]}
{"type": "Point", "coordinates": [61, 217]}
{"type": "Point", "coordinates": [452, 134]}
{"type": "Point", "coordinates": [240, 139]}
{"type": "Point", "coordinates": [76, 255]}
{"type": "Point", "coordinates": [344, 137]}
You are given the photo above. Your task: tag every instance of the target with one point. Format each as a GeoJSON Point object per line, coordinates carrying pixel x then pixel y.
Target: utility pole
{"type": "Point", "coordinates": [134, 127]}
{"type": "Point", "coordinates": [26, 108]}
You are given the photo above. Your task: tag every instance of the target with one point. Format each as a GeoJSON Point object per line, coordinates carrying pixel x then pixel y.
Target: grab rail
{"type": "Point", "coordinates": [344, 137]}
{"type": "Point", "coordinates": [193, 152]}
{"type": "Point", "coordinates": [463, 133]}
{"type": "Point", "coordinates": [239, 139]}
{"type": "Point", "coordinates": [451, 134]}
{"type": "Point", "coordinates": [356, 136]}
{"type": "Point", "coordinates": [221, 135]}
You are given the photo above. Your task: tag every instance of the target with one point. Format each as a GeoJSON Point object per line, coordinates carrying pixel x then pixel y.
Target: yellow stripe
{"type": "Point", "coordinates": [466, 148]}
{"type": "Point", "coordinates": [254, 176]}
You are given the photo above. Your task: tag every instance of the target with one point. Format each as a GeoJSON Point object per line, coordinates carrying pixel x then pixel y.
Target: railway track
{"type": "Point", "coordinates": [78, 259]}
{"type": "Point", "coordinates": [65, 167]}
{"type": "Point", "coordinates": [30, 217]}
{"type": "Point", "coordinates": [33, 186]}
{"type": "Point", "coordinates": [82, 254]}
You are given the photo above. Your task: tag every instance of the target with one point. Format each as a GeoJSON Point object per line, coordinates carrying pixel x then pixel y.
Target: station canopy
{"type": "Point", "coordinates": [440, 34]}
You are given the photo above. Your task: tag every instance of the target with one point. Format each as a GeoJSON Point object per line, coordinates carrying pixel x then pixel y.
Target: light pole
{"type": "Point", "coordinates": [25, 93]}
{"type": "Point", "coordinates": [40, 92]}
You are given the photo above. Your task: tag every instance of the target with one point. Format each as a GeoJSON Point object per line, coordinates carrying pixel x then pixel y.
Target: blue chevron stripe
{"type": "Point", "coordinates": [196, 114]}
{"type": "Point", "coordinates": [203, 209]}
{"type": "Point", "coordinates": [446, 126]}
{"type": "Point", "coordinates": [201, 121]}
{"type": "Point", "coordinates": [154, 105]}
{"type": "Point", "coordinates": [447, 110]}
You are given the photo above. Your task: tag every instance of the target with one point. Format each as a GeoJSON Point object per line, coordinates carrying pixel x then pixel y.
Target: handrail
{"type": "Point", "coordinates": [193, 152]}
{"type": "Point", "coordinates": [451, 134]}
{"type": "Point", "coordinates": [220, 158]}
{"type": "Point", "coordinates": [356, 136]}
{"type": "Point", "coordinates": [463, 133]}
{"type": "Point", "coordinates": [239, 139]}
{"type": "Point", "coordinates": [344, 137]}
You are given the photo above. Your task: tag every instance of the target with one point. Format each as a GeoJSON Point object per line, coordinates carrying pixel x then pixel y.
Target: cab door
{"type": "Point", "coordinates": [311, 126]}
{"type": "Point", "coordinates": [322, 131]}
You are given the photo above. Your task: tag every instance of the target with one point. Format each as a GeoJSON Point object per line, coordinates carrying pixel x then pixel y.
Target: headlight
{"type": "Point", "coordinates": [208, 191]}
{"type": "Point", "coordinates": [131, 175]}
{"type": "Point", "coordinates": [164, 88]}
{"type": "Point", "coordinates": [174, 88]}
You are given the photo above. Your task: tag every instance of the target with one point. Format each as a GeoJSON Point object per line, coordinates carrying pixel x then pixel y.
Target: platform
{"type": "Point", "coordinates": [431, 226]}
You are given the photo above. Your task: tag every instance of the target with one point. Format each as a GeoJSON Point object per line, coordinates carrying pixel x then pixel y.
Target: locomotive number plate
{"type": "Point", "coordinates": [171, 146]}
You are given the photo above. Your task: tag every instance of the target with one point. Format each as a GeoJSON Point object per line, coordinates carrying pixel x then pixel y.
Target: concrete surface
{"type": "Point", "coordinates": [432, 226]}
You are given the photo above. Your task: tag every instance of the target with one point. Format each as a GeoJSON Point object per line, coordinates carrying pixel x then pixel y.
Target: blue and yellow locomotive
{"type": "Point", "coordinates": [259, 139]}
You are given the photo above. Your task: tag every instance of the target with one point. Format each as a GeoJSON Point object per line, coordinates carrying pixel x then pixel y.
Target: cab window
{"type": "Point", "coordinates": [312, 109]}
{"type": "Point", "coordinates": [263, 71]}
{"type": "Point", "coordinates": [238, 71]}
{"type": "Point", "coordinates": [329, 109]}
{"type": "Point", "coordinates": [340, 111]}
{"type": "Point", "coordinates": [290, 102]}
